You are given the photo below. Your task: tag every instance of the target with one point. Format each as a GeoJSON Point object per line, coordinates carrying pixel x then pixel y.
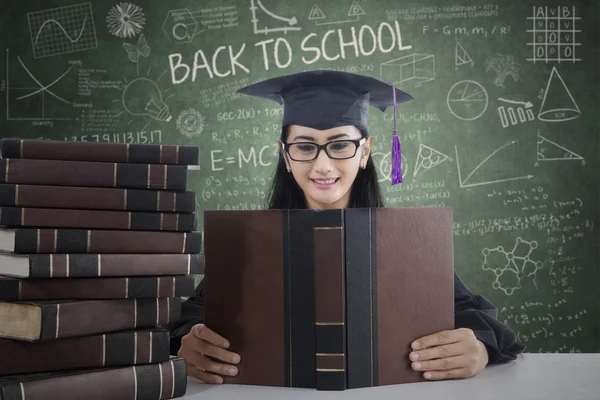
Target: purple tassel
{"type": "Point", "coordinates": [396, 160]}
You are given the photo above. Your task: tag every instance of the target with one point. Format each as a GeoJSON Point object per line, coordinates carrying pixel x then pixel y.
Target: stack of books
{"type": "Point", "coordinates": [98, 243]}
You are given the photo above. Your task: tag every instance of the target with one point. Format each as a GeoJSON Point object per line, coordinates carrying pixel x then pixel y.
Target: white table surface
{"type": "Point", "coordinates": [531, 376]}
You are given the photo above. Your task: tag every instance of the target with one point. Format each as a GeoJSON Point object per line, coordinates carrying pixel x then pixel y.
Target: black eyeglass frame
{"type": "Point", "coordinates": [357, 143]}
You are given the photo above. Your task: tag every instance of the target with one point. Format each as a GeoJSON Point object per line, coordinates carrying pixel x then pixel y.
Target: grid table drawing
{"type": "Point", "coordinates": [62, 30]}
{"type": "Point", "coordinates": [554, 34]}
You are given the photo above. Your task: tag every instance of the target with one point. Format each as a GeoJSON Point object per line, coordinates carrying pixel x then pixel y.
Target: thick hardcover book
{"type": "Point", "coordinates": [103, 152]}
{"type": "Point", "coordinates": [93, 174]}
{"type": "Point", "coordinates": [96, 265]}
{"type": "Point", "coordinates": [158, 381]}
{"type": "Point", "coordinates": [89, 198]}
{"type": "Point", "coordinates": [55, 319]}
{"type": "Point", "coordinates": [133, 347]}
{"type": "Point", "coordinates": [26, 240]}
{"type": "Point", "coordinates": [12, 289]}
{"type": "Point", "coordinates": [281, 270]}
{"type": "Point", "coordinates": [96, 219]}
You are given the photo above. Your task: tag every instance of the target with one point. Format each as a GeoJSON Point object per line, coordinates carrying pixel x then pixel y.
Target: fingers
{"type": "Point", "coordinates": [441, 338]}
{"type": "Point", "coordinates": [444, 364]}
{"type": "Point", "coordinates": [458, 373]}
{"type": "Point", "coordinates": [450, 350]}
{"type": "Point", "coordinates": [197, 373]}
{"type": "Point", "coordinates": [201, 331]}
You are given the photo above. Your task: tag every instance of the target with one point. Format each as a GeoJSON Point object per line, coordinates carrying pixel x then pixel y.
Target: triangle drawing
{"type": "Point", "coordinates": [558, 103]}
{"type": "Point", "coordinates": [428, 158]}
{"type": "Point", "coordinates": [316, 13]}
{"type": "Point", "coordinates": [355, 10]}
{"type": "Point", "coordinates": [547, 150]}
{"type": "Point", "coordinates": [461, 56]}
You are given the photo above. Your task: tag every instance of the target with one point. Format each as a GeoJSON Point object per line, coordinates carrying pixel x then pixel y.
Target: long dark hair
{"type": "Point", "coordinates": [285, 193]}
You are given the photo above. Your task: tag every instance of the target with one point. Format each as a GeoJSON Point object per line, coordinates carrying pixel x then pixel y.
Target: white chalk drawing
{"type": "Point", "coordinates": [354, 13]}
{"type": "Point", "coordinates": [467, 100]}
{"type": "Point", "coordinates": [463, 182]}
{"type": "Point", "coordinates": [558, 104]}
{"type": "Point", "coordinates": [383, 163]}
{"type": "Point", "coordinates": [428, 158]}
{"type": "Point", "coordinates": [273, 19]}
{"type": "Point", "coordinates": [547, 150]}
{"type": "Point", "coordinates": [417, 68]}
{"type": "Point", "coordinates": [31, 99]}
{"type": "Point", "coordinates": [554, 34]}
{"type": "Point", "coordinates": [62, 30]}
{"type": "Point", "coordinates": [125, 20]}
{"type": "Point", "coordinates": [134, 51]}
{"type": "Point", "coordinates": [461, 57]}
{"type": "Point", "coordinates": [503, 65]}
{"type": "Point", "coordinates": [190, 123]}
{"type": "Point", "coordinates": [511, 267]}
{"type": "Point", "coordinates": [515, 112]}
{"type": "Point", "coordinates": [143, 97]}
{"type": "Point", "coordinates": [181, 25]}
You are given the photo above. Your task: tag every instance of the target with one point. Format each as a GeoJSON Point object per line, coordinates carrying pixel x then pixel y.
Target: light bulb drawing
{"type": "Point", "coordinates": [143, 97]}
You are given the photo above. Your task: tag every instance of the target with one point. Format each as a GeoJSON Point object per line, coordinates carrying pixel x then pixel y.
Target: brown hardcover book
{"type": "Point", "coordinates": [103, 152]}
{"type": "Point", "coordinates": [89, 198]}
{"type": "Point", "coordinates": [96, 265]}
{"type": "Point", "coordinates": [158, 381]}
{"type": "Point", "coordinates": [93, 174]}
{"type": "Point", "coordinates": [27, 240]}
{"type": "Point", "coordinates": [397, 286]}
{"type": "Point", "coordinates": [96, 219]}
{"type": "Point", "coordinates": [56, 319]}
{"type": "Point", "coordinates": [13, 289]}
{"type": "Point", "coordinates": [133, 347]}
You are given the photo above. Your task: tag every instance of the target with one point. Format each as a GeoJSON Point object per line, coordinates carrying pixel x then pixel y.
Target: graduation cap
{"type": "Point", "coordinates": [326, 99]}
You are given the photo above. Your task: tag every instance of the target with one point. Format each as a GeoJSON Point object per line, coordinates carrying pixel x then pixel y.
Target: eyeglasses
{"type": "Point", "coordinates": [309, 151]}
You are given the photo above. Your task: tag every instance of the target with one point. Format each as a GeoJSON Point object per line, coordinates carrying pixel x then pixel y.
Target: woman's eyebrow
{"type": "Point", "coordinates": [310, 138]}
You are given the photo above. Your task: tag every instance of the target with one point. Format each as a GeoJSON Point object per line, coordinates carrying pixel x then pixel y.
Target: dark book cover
{"type": "Point", "coordinates": [398, 266]}
{"type": "Point", "coordinates": [56, 319]}
{"type": "Point", "coordinates": [162, 381]}
{"type": "Point", "coordinates": [93, 174]}
{"type": "Point", "coordinates": [91, 198]}
{"type": "Point", "coordinates": [28, 240]}
{"type": "Point", "coordinates": [102, 152]}
{"type": "Point", "coordinates": [14, 289]}
{"type": "Point", "coordinates": [132, 347]}
{"type": "Point", "coordinates": [12, 217]}
{"type": "Point", "coordinates": [98, 265]}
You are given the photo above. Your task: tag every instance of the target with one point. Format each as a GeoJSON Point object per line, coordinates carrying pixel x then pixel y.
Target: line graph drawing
{"type": "Point", "coordinates": [62, 30]}
{"type": "Point", "coordinates": [463, 183]}
{"type": "Point", "coordinates": [547, 150]}
{"type": "Point", "coordinates": [30, 99]}
{"type": "Point", "coordinates": [266, 30]}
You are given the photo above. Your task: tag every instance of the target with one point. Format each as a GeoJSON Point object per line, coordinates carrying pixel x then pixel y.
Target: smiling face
{"type": "Point", "coordinates": [326, 182]}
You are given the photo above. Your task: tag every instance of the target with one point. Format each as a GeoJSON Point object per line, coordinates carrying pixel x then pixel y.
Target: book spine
{"type": "Point", "coordinates": [93, 174]}
{"type": "Point", "coordinates": [96, 219]}
{"type": "Point", "coordinates": [88, 317]}
{"type": "Point", "coordinates": [165, 380]}
{"type": "Point", "coordinates": [96, 198]}
{"type": "Point", "coordinates": [106, 241]}
{"type": "Point", "coordinates": [330, 329]}
{"type": "Point", "coordinates": [97, 265]}
{"type": "Point", "coordinates": [108, 350]}
{"type": "Point", "coordinates": [101, 152]}
{"type": "Point", "coordinates": [99, 288]}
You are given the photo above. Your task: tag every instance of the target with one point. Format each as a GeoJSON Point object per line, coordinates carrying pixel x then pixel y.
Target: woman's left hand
{"type": "Point", "coordinates": [449, 354]}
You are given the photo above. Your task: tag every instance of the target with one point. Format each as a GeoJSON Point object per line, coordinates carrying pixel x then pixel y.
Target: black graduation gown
{"type": "Point", "coordinates": [470, 311]}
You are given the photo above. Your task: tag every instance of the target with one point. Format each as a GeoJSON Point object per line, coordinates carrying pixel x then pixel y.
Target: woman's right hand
{"type": "Point", "coordinates": [203, 350]}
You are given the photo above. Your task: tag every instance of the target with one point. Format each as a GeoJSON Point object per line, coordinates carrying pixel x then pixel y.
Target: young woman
{"type": "Point", "coordinates": [325, 162]}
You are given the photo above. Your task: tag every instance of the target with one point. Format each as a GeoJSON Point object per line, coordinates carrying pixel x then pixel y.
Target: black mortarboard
{"type": "Point", "coordinates": [325, 99]}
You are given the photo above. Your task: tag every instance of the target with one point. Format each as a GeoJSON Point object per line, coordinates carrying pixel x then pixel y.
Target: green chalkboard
{"type": "Point", "coordinates": [504, 126]}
